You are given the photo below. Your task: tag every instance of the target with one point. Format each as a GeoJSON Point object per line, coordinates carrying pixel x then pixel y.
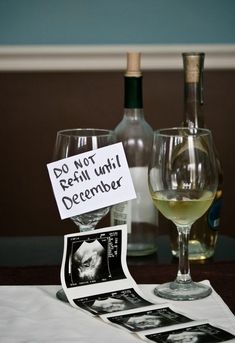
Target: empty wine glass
{"type": "Point", "coordinates": [182, 181]}
{"type": "Point", "coordinates": [71, 142]}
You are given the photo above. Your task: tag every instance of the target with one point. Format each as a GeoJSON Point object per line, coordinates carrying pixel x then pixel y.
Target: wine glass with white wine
{"type": "Point", "coordinates": [71, 142]}
{"type": "Point", "coordinates": [183, 179]}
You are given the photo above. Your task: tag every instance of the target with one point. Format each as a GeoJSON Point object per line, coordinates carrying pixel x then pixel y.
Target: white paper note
{"type": "Point", "coordinates": [91, 180]}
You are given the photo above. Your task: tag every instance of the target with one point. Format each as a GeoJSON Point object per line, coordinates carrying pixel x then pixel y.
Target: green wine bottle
{"type": "Point", "coordinates": [137, 136]}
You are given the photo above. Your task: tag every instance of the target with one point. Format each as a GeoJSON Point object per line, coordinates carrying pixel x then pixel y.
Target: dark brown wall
{"type": "Point", "coordinates": [33, 106]}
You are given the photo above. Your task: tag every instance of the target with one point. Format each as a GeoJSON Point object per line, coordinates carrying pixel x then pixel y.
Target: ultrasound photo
{"type": "Point", "coordinates": [149, 319]}
{"type": "Point", "coordinates": [112, 302]}
{"type": "Point", "coordinates": [93, 259]}
{"type": "Point", "coordinates": [204, 333]}
{"type": "Point", "coordinates": [90, 261]}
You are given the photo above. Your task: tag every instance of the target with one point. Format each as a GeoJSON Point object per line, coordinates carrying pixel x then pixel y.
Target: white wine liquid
{"type": "Point", "coordinates": [186, 208]}
{"type": "Point", "coordinates": [203, 234]}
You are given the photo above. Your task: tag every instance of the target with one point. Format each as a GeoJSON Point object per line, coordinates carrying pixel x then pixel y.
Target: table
{"type": "Point", "coordinates": [34, 314]}
{"type": "Point", "coordinates": [32, 261]}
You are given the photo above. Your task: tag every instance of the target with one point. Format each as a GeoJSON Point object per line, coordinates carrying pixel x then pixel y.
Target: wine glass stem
{"type": "Point", "coordinates": [183, 275]}
{"type": "Point", "coordinates": [83, 228]}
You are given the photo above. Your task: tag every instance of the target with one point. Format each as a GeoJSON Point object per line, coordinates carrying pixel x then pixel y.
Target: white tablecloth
{"type": "Point", "coordinates": [30, 314]}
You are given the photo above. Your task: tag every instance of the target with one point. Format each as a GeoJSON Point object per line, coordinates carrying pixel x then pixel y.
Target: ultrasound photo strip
{"type": "Point", "coordinates": [96, 279]}
{"type": "Point", "coordinates": [94, 272]}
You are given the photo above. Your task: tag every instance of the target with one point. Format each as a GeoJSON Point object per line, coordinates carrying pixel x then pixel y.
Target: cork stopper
{"type": "Point", "coordinates": [193, 64]}
{"type": "Point", "coordinates": [133, 64]}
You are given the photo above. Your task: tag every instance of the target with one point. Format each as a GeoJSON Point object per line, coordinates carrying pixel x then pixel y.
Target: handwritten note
{"type": "Point", "coordinates": [91, 180]}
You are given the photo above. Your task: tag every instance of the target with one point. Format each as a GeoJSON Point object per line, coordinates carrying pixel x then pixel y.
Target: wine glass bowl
{"type": "Point", "coordinates": [182, 181]}
{"type": "Point", "coordinates": [71, 142]}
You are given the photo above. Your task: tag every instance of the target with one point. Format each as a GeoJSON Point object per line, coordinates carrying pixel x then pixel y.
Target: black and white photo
{"type": "Point", "coordinates": [112, 302]}
{"type": "Point", "coordinates": [203, 333]}
{"type": "Point", "coordinates": [93, 258]}
{"type": "Point", "coordinates": [149, 318]}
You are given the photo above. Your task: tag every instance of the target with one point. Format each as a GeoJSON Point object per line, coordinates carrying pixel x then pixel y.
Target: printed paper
{"type": "Point", "coordinates": [94, 272]}
{"type": "Point", "coordinates": [96, 280]}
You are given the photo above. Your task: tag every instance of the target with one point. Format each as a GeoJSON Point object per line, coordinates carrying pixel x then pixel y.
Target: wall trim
{"type": "Point", "coordinates": [108, 57]}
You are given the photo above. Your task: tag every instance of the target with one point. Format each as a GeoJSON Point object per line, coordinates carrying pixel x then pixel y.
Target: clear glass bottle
{"type": "Point", "coordinates": [137, 136]}
{"type": "Point", "coordinates": [204, 231]}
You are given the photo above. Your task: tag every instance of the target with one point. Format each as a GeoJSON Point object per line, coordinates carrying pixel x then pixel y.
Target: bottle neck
{"type": "Point", "coordinates": [193, 105]}
{"type": "Point", "coordinates": [133, 93]}
{"type": "Point", "coordinates": [134, 113]}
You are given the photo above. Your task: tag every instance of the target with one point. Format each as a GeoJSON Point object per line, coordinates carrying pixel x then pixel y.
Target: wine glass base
{"type": "Point", "coordinates": [179, 291]}
{"type": "Point", "coordinates": [62, 296]}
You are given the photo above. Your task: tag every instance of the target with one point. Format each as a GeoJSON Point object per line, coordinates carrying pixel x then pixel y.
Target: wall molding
{"type": "Point", "coordinates": [108, 57]}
